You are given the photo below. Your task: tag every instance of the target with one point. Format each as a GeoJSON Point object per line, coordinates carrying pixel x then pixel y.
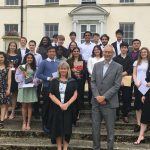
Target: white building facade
{"type": "Point", "coordinates": [47, 17]}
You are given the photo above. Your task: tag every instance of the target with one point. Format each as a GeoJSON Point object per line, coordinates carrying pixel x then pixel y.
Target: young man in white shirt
{"type": "Point", "coordinates": [86, 49]}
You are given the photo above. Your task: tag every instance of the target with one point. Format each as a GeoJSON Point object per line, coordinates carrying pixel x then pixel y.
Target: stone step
{"type": "Point", "coordinates": [45, 144]}
{"type": "Point", "coordinates": [84, 121]}
{"type": "Point", "coordinates": [88, 113]}
{"type": "Point", "coordinates": [37, 123]}
{"type": "Point", "coordinates": [13, 129]}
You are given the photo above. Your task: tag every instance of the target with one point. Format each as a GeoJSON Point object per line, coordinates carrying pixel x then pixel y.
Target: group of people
{"type": "Point", "coordinates": [58, 74]}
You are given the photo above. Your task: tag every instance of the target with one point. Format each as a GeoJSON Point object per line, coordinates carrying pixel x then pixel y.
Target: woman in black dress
{"type": "Point", "coordinates": [145, 116]}
{"type": "Point", "coordinates": [63, 93]}
{"type": "Point", "coordinates": [14, 61]}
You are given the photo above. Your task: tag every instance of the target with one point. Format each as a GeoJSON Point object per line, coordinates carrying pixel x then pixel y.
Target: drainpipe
{"type": "Point", "coordinates": [21, 18]}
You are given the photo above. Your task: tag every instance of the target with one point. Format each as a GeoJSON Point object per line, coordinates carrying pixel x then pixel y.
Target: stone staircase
{"type": "Point", "coordinates": [13, 138]}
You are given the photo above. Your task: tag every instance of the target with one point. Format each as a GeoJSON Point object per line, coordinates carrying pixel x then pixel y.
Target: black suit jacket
{"type": "Point", "coordinates": [19, 52]}
{"type": "Point", "coordinates": [115, 47]}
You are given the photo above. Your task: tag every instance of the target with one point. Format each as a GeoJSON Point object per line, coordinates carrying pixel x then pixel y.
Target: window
{"type": "Point", "coordinates": [88, 1]}
{"type": "Point", "coordinates": [128, 29]}
{"type": "Point", "coordinates": [11, 29]}
{"type": "Point", "coordinates": [11, 2]}
{"type": "Point", "coordinates": [126, 1]}
{"type": "Point", "coordinates": [52, 1]}
{"type": "Point", "coordinates": [51, 29]}
{"type": "Point", "coordinates": [87, 27]}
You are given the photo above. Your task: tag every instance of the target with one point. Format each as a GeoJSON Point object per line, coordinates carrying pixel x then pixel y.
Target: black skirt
{"type": "Point", "coordinates": [145, 117]}
{"type": "Point", "coordinates": [59, 124]}
{"type": "Point", "coordinates": [138, 105]}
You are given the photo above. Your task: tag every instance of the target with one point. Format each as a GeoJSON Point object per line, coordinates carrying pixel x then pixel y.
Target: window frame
{"type": "Point", "coordinates": [51, 2]}
{"type": "Point", "coordinates": [89, 2]}
{"type": "Point", "coordinates": [45, 31]}
{"type": "Point", "coordinates": [11, 4]}
{"type": "Point", "coordinates": [11, 32]}
{"type": "Point", "coordinates": [88, 25]}
{"type": "Point", "coordinates": [124, 2]}
{"type": "Point", "coordinates": [129, 31]}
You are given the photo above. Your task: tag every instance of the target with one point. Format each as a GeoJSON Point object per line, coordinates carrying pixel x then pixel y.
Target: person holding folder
{"type": "Point", "coordinates": [139, 76]}
{"type": "Point", "coordinates": [145, 99]}
{"type": "Point", "coordinates": [124, 91]}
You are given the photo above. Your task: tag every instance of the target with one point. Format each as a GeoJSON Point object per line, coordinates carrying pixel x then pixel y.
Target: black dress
{"type": "Point", "coordinates": [60, 122]}
{"type": "Point", "coordinates": [16, 60]}
{"type": "Point", "coordinates": [145, 117]}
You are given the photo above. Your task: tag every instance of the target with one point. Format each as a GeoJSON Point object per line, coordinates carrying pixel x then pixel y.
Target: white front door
{"type": "Point", "coordinates": [87, 27]}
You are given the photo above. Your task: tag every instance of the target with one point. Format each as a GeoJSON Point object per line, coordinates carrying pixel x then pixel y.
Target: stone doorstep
{"type": "Point", "coordinates": [45, 144]}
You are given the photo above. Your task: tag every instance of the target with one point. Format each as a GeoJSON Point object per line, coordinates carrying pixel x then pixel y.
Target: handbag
{"type": "Point", "coordinates": [28, 80]}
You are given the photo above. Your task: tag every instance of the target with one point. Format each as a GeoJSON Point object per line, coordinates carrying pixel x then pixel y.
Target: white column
{"type": "Point", "coordinates": [102, 27]}
{"type": "Point", "coordinates": [74, 22]}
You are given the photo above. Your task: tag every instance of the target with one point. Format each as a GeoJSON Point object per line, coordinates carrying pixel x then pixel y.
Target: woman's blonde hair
{"type": "Point", "coordinates": [140, 58]}
{"type": "Point", "coordinates": [64, 64]}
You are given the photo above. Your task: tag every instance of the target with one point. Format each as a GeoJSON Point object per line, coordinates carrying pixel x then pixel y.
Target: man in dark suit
{"type": "Point", "coordinates": [116, 45]}
{"type": "Point", "coordinates": [105, 83]}
{"type": "Point", "coordinates": [23, 50]}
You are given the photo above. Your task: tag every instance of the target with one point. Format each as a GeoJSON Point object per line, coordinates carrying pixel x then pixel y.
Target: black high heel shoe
{"type": "Point", "coordinates": [138, 143]}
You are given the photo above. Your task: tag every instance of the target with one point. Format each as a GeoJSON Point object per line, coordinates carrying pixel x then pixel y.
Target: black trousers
{"type": "Point", "coordinates": [125, 98]}
{"type": "Point", "coordinates": [45, 106]}
{"type": "Point", "coordinates": [36, 106]}
{"type": "Point", "coordinates": [88, 79]}
{"type": "Point", "coordinates": [80, 98]}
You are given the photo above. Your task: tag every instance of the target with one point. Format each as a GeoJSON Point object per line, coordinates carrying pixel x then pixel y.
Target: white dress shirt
{"type": "Point", "coordinates": [91, 62]}
{"type": "Point", "coordinates": [106, 65]}
{"type": "Point", "coordinates": [86, 50]}
{"type": "Point", "coordinates": [118, 47]}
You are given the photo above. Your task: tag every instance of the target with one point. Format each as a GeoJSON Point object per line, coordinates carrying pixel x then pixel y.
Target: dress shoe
{"type": "Point", "coordinates": [125, 120]}
{"type": "Point", "coordinates": [136, 128]}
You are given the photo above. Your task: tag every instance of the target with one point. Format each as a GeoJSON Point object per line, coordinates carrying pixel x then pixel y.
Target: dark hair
{"type": "Point", "coordinates": [119, 31]}
{"type": "Point", "coordinates": [80, 57]}
{"type": "Point", "coordinates": [55, 35]}
{"type": "Point", "coordinates": [5, 58]}
{"type": "Point", "coordinates": [48, 39]}
{"type": "Point", "coordinates": [71, 43]}
{"type": "Point", "coordinates": [72, 58]}
{"type": "Point", "coordinates": [104, 35]}
{"type": "Point", "coordinates": [72, 33]}
{"type": "Point", "coordinates": [24, 38]}
{"type": "Point", "coordinates": [86, 33]}
{"type": "Point", "coordinates": [134, 40]}
{"type": "Point", "coordinates": [8, 50]}
{"type": "Point", "coordinates": [51, 47]}
{"type": "Point", "coordinates": [32, 41]}
{"type": "Point", "coordinates": [69, 48]}
{"type": "Point", "coordinates": [101, 52]}
{"type": "Point", "coordinates": [33, 64]}
{"type": "Point", "coordinates": [124, 44]}
{"type": "Point", "coordinates": [96, 34]}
